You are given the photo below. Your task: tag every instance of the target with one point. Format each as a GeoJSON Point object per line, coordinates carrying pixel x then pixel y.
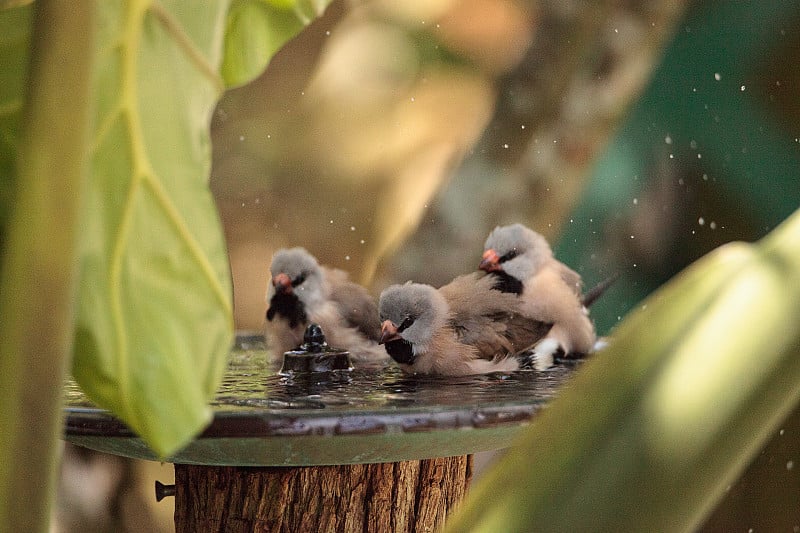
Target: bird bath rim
{"type": "Point", "coordinates": [400, 418]}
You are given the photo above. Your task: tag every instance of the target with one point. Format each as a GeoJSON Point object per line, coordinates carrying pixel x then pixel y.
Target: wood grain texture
{"type": "Point", "coordinates": [408, 496]}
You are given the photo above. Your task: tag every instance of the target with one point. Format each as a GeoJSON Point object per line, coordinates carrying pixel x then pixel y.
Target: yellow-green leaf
{"type": "Point", "coordinates": [256, 29]}
{"type": "Point", "coordinates": [155, 319]}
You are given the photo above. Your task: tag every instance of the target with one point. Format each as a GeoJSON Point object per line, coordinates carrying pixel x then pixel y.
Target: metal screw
{"type": "Point", "coordinates": [162, 491]}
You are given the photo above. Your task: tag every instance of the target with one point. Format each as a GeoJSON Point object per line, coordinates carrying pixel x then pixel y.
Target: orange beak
{"type": "Point", "coordinates": [490, 261]}
{"type": "Point", "coordinates": [282, 284]}
{"type": "Point", "coordinates": [388, 332]}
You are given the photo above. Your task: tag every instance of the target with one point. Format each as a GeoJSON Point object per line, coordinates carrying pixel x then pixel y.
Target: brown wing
{"type": "Point", "coordinates": [486, 318]}
{"type": "Point", "coordinates": [355, 304]}
{"type": "Point", "coordinates": [524, 332]}
{"type": "Point", "coordinates": [571, 278]}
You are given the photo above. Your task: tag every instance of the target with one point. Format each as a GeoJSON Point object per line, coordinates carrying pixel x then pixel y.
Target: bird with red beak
{"type": "Point", "coordinates": [463, 328]}
{"type": "Point", "coordinates": [521, 263]}
{"type": "Point", "coordinates": [302, 291]}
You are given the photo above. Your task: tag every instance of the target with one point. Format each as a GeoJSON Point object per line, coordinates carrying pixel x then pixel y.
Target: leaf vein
{"type": "Point", "coordinates": [186, 235]}
{"type": "Point", "coordinates": [174, 28]}
{"type": "Point", "coordinates": [128, 98]}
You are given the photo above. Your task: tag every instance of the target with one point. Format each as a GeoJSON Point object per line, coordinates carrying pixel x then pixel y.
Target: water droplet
{"type": "Point", "coordinates": [631, 236]}
{"type": "Point", "coordinates": [241, 137]}
{"type": "Point", "coordinates": [781, 432]}
{"type": "Point", "coordinates": [412, 99]}
{"type": "Point", "coordinates": [362, 241]}
{"type": "Point", "coordinates": [352, 228]}
{"type": "Point", "coordinates": [789, 465]}
{"type": "Point", "coordinates": [712, 225]}
{"type": "Point", "coordinates": [347, 258]}
{"type": "Point", "coordinates": [701, 221]}
{"type": "Point", "coordinates": [522, 127]}
{"type": "Point", "coordinates": [635, 201]}
{"type": "Point", "coordinates": [505, 145]}
{"type": "Point", "coordinates": [327, 32]}
{"type": "Point", "coordinates": [717, 76]}
{"type": "Point", "coordinates": [742, 88]}
{"type": "Point", "coordinates": [668, 139]}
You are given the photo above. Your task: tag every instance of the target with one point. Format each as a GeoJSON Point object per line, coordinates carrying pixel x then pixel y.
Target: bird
{"type": "Point", "coordinates": [521, 262]}
{"type": "Point", "coordinates": [463, 328]}
{"type": "Point", "coordinates": [302, 292]}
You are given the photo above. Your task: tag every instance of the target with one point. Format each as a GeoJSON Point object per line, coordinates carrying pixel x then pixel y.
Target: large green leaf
{"type": "Point", "coordinates": [155, 320]}
{"type": "Point", "coordinates": [651, 432]}
{"type": "Point", "coordinates": [256, 29]}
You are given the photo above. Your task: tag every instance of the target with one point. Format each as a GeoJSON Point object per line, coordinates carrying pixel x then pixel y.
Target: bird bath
{"type": "Point", "coordinates": [370, 417]}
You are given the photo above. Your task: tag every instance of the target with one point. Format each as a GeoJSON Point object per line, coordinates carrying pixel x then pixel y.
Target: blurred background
{"type": "Point", "coordinates": [389, 138]}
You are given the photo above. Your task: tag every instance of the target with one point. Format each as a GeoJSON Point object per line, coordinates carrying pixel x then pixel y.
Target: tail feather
{"type": "Point", "coordinates": [597, 291]}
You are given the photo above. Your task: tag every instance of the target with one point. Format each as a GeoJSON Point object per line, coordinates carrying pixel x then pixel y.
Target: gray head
{"type": "Point", "coordinates": [516, 250]}
{"type": "Point", "coordinates": [295, 271]}
{"type": "Point", "coordinates": [412, 312]}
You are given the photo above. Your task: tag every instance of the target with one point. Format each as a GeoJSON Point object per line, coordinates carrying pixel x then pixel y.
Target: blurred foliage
{"type": "Point", "coordinates": [390, 138]}
{"type": "Point", "coordinates": [709, 154]}
{"type": "Point", "coordinates": [39, 260]}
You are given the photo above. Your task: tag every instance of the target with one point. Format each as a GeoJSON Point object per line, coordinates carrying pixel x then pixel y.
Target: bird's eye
{"type": "Point", "coordinates": [298, 280]}
{"type": "Point", "coordinates": [405, 324]}
{"type": "Point", "coordinates": [508, 256]}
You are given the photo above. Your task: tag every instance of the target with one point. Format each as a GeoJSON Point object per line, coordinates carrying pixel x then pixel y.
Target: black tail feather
{"type": "Point", "coordinates": [597, 291]}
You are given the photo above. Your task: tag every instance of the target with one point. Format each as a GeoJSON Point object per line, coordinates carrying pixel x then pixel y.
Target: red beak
{"type": "Point", "coordinates": [282, 284]}
{"type": "Point", "coordinates": [388, 332]}
{"type": "Point", "coordinates": [490, 261]}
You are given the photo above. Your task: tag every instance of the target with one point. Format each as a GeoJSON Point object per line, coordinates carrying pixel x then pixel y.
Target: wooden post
{"type": "Point", "coordinates": [409, 496]}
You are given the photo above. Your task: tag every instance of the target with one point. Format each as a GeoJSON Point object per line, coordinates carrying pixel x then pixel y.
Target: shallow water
{"type": "Point", "coordinates": [251, 383]}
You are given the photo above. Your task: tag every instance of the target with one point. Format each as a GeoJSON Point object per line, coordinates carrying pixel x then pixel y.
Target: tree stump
{"type": "Point", "coordinates": [407, 496]}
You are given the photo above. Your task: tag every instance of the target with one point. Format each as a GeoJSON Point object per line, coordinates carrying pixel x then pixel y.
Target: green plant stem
{"type": "Point", "coordinates": [651, 432]}
{"type": "Point", "coordinates": [40, 261]}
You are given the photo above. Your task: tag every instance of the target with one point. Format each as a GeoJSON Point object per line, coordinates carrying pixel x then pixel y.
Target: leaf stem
{"type": "Point", "coordinates": [40, 261]}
